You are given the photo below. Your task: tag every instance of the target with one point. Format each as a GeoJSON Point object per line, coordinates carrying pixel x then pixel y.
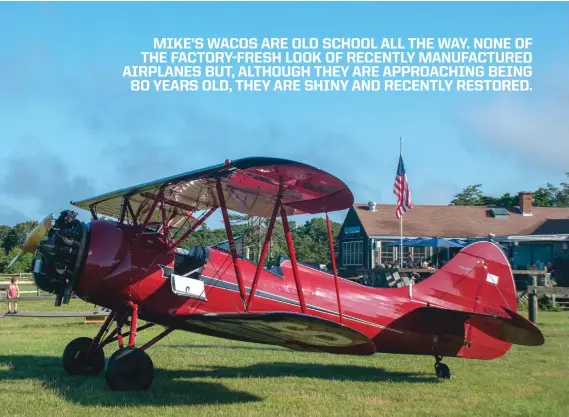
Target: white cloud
{"type": "Point", "coordinates": [531, 127]}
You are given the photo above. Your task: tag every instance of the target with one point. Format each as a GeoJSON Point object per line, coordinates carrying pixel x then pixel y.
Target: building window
{"type": "Point", "coordinates": [352, 252]}
{"type": "Point", "coordinates": [419, 253]}
{"type": "Point", "coordinates": [406, 251]}
{"type": "Point", "coordinates": [391, 253]}
{"type": "Point", "coordinates": [351, 230]}
{"type": "Point", "coordinates": [387, 253]}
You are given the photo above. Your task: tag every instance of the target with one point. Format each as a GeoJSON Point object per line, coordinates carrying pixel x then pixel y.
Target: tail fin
{"type": "Point", "coordinates": [479, 281]}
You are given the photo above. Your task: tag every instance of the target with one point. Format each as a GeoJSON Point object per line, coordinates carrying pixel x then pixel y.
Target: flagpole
{"type": "Point", "coordinates": [401, 218]}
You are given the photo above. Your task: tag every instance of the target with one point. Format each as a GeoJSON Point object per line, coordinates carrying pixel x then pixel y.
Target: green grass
{"type": "Point", "coordinates": [203, 376]}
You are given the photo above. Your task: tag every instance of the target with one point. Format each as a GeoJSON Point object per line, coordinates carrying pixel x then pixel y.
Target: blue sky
{"type": "Point", "coordinates": [70, 128]}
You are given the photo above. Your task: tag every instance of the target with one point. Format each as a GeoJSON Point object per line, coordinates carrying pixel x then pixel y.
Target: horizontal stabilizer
{"type": "Point", "coordinates": [291, 330]}
{"type": "Point", "coordinates": [506, 326]}
{"type": "Point", "coordinates": [515, 329]}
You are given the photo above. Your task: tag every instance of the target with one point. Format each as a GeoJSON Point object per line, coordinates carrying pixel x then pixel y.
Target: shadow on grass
{"type": "Point", "coordinates": [93, 391]}
{"type": "Point", "coordinates": [171, 387]}
{"type": "Point", "coordinates": [187, 346]}
{"type": "Point", "coordinates": [309, 370]}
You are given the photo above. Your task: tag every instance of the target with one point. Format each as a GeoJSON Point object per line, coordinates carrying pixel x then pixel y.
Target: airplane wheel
{"type": "Point", "coordinates": [76, 362]}
{"type": "Point", "coordinates": [442, 370]}
{"type": "Point", "coordinates": [129, 369]}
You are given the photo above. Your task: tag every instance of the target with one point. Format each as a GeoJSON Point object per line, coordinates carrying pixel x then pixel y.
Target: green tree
{"type": "Point", "coordinates": [548, 196]}
{"type": "Point", "coordinates": [312, 238]}
{"type": "Point", "coordinates": [470, 196]}
{"type": "Point", "coordinates": [563, 195]}
{"type": "Point", "coordinates": [16, 236]}
{"type": "Point", "coordinates": [505, 200]}
{"type": "Point", "coordinates": [204, 236]}
{"type": "Point", "coordinates": [4, 230]}
{"type": "Point", "coordinates": [253, 229]}
{"type": "Point", "coordinates": [24, 264]}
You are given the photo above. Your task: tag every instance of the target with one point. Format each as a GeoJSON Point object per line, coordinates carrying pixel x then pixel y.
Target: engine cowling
{"type": "Point", "coordinates": [60, 257]}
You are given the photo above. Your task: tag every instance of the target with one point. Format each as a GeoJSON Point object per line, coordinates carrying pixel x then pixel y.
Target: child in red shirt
{"type": "Point", "coordinates": [13, 294]}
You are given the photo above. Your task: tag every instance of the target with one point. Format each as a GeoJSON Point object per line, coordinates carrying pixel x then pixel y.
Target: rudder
{"type": "Point", "coordinates": [479, 280]}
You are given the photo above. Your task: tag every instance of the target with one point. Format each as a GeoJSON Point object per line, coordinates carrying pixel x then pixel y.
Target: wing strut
{"type": "Point", "coordinates": [149, 215]}
{"type": "Point", "coordinates": [194, 227]}
{"type": "Point", "coordinates": [333, 256]}
{"type": "Point", "coordinates": [229, 232]}
{"type": "Point", "coordinates": [292, 255]}
{"type": "Point", "coordinates": [265, 247]}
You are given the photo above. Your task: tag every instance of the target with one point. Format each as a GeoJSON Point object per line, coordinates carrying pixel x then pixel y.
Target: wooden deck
{"type": "Point", "coordinates": [62, 314]}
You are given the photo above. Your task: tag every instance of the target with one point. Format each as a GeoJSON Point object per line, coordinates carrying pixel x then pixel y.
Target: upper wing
{"type": "Point", "coordinates": [250, 186]}
{"type": "Point", "coordinates": [291, 330]}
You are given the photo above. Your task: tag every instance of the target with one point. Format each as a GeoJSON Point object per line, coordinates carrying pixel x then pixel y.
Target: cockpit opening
{"type": "Point", "coordinates": [188, 266]}
{"type": "Point", "coordinates": [190, 262]}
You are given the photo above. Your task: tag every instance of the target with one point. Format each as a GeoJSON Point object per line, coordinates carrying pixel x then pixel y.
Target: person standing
{"type": "Point", "coordinates": [13, 295]}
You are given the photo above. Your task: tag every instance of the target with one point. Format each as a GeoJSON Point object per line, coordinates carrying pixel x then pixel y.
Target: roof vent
{"type": "Point", "coordinates": [371, 205]}
{"type": "Point", "coordinates": [499, 213]}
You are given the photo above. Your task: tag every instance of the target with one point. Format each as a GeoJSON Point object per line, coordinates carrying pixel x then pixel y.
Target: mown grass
{"type": "Point", "coordinates": [203, 376]}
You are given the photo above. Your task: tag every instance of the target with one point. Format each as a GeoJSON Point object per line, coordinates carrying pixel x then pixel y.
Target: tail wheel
{"type": "Point", "coordinates": [442, 370]}
{"type": "Point", "coordinates": [129, 369]}
{"type": "Point", "coordinates": [78, 360]}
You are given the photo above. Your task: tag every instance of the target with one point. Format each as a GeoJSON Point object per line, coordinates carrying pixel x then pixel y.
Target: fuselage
{"type": "Point", "coordinates": [118, 267]}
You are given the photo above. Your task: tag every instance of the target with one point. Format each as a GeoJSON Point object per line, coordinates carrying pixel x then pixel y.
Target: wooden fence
{"type": "Point", "coordinates": [22, 276]}
{"type": "Point", "coordinates": [399, 277]}
{"type": "Point", "coordinates": [556, 294]}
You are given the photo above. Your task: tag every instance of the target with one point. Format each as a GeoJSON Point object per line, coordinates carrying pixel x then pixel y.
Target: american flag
{"type": "Point", "coordinates": [401, 190]}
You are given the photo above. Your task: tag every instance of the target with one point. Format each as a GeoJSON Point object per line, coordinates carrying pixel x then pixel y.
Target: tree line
{"type": "Point", "coordinates": [310, 240]}
{"type": "Point", "coordinates": [11, 240]}
{"type": "Point", "coordinates": [548, 196]}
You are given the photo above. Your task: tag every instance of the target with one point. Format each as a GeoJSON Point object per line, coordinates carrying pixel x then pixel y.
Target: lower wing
{"type": "Point", "coordinates": [291, 330]}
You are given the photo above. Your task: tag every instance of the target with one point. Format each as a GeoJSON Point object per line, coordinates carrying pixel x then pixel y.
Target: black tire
{"type": "Point", "coordinates": [129, 369]}
{"type": "Point", "coordinates": [442, 370]}
{"type": "Point", "coordinates": [76, 362]}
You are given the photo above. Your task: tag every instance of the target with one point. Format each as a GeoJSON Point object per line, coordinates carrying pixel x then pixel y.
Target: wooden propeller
{"type": "Point", "coordinates": [34, 238]}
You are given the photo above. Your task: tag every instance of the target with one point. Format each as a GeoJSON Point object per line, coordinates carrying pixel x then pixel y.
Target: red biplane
{"type": "Point", "coordinates": [132, 265]}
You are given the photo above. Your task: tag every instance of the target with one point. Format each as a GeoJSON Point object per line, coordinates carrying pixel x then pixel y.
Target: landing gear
{"type": "Point", "coordinates": [441, 369]}
{"type": "Point", "coordinates": [80, 359]}
{"type": "Point", "coordinates": [129, 368]}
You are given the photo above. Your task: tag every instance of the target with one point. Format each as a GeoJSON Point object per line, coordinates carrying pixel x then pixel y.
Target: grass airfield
{"type": "Point", "coordinates": [205, 376]}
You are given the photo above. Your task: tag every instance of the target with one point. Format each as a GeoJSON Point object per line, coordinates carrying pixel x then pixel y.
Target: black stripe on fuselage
{"type": "Point", "coordinates": [218, 283]}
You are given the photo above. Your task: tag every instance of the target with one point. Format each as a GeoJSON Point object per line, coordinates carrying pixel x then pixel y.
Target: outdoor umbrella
{"type": "Point", "coordinates": [436, 242]}
{"type": "Point", "coordinates": [406, 242]}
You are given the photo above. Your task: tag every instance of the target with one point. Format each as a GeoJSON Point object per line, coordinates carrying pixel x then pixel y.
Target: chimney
{"type": "Point", "coordinates": [371, 205]}
{"type": "Point", "coordinates": [525, 203]}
